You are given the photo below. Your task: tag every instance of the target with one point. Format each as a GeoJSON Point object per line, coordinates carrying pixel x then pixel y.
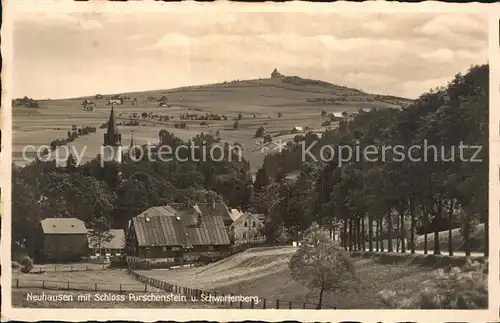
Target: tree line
{"type": "Point", "coordinates": [367, 202]}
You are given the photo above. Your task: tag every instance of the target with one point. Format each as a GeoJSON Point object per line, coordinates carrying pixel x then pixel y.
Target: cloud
{"type": "Point", "coordinates": [392, 53]}
{"type": "Point", "coordinates": [90, 24]}
{"type": "Point", "coordinates": [139, 36]}
{"type": "Point", "coordinates": [441, 55]}
{"type": "Point", "coordinates": [170, 41]}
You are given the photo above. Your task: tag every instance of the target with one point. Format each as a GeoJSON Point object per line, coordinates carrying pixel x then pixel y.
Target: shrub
{"type": "Point", "coordinates": [260, 132]}
{"type": "Point", "coordinates": [463, 287]}
{"type": "Point", "coordinates": [26, 264]}
{"type": "Point", "coordinates": [15, 265]}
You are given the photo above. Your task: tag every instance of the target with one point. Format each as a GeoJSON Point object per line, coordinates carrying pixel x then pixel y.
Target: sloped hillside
{"type": "Point", "coordinates": [264, 272]}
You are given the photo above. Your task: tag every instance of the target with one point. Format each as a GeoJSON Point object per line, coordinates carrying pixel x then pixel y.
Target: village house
{"type": "Point", "coordinates": [246, 229]}
{"type": "Point", "coordinates": [110, 243]}
{"type": "Point", "coordinates": [338, 115]}
{"type": "Point", "coordinates": [169, 233]}
{"type": "Point", "coordinates": [297, 129]}
{"type": "Point", "coordinates": [115, 101]}
{"type": "Point", "coordinates": [62, 239]}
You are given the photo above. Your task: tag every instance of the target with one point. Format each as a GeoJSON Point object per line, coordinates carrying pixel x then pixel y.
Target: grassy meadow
{"type": "Point", "coordinates": [253, 271]}
{"type": "Point", "coordinates": [300, 104]}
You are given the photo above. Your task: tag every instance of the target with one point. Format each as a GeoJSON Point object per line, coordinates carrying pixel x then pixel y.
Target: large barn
{"type": "Point", "coordinates": [167, 232]}
{"type": "Point", "coordinates": [63, 239]}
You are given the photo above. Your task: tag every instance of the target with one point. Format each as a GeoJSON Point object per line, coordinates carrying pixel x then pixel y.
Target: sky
{"type": "Point", "coordinates": [61, 55]}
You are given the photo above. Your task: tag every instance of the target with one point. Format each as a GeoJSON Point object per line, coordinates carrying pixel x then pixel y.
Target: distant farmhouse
{"type": "Point", "coordinates": [62, 239]}
{"type": "Point", "coordinates": [338, 115]}
{"type": "Point", "coordinates": [169, 233]}
{"type": "Point", "coordinates": [246, 229]}
{"type": "Point", "coordinates": [115, 101]}
{"type": "Point", "coordinates": [88, 105]}
{"type": "Point", "coordinates": [297, 129]}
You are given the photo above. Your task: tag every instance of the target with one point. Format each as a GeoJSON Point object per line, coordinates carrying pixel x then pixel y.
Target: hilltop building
{"type": "Point", "coordinates": [112, 141]}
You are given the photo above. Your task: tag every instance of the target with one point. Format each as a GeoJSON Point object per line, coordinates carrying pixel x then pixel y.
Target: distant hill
{"type": "Point", "coordinates": [278, 91]}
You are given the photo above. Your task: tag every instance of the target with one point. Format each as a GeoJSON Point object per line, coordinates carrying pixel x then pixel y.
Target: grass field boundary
{"type": "Point", "coordinates": [197, 293]}
{"type": "Point", "coordinates": [429, 260]}
{"type": "Point", "coordinates": [78, 286]}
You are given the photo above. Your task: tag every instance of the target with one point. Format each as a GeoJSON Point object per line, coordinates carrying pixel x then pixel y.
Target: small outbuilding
{"type": "Point", "coordinates": [106, 244]}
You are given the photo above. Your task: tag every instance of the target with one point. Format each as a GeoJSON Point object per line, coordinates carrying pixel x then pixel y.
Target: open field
{"type": "Point", "coordinates": [253, 271]}
{"type": "Point", "coordinates": [109, 279]}
{"type": "Point", "coordinates": [264, 98]}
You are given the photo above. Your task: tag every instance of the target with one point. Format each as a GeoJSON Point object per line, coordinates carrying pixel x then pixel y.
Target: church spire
{"type": "Point", "coordinates": [112, 137]}
{"type": "Point", "coordinates": [112, 128]}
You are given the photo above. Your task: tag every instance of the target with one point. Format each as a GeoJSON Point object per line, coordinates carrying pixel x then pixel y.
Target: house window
{"type": "Point", "coordinates": [244, 235]}
{"type": "Point", "coordinates": [164, 249]}
{"type": "Point", "coordinates": [147, 249]}
{"type": "Point", "coordinates": [254, 224]}
{"type": "Point", "coordinates": [246, 224]}
{"type": "Point", "coordinates": [175, 248]}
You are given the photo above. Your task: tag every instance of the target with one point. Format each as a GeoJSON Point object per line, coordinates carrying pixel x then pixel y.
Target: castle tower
{"type": "Point", "coordinates": [112, 149]}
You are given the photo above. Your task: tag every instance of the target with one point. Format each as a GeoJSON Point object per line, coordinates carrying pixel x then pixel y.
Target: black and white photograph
{"type": "Point", "coordinates": [249, 159]}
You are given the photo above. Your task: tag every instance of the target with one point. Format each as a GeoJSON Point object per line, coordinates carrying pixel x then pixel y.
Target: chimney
{"type": "Point", "coordinates": [213, 205]}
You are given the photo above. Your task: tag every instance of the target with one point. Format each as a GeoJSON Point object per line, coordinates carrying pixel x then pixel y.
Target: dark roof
{"type": "Point", "coordinates": [162, 229]}
{"type": "Point", "coordinates": [117, 240]}
{"type": "Point", "coordinates": [219, 209]}
{"type": "Point", "coordinates": [158, 231]}
{"type": "Point", "coordinates": [63, 226]}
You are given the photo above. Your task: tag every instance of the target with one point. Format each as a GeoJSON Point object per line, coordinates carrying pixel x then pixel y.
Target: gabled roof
{"type": "Point", "coordinates": [117, 240]}
{"type": "Point", "coordinates": [63, 226]}
{"type": "Point", "coordinates": [247, 216]}
{"type": "Point", "coordinates": [165, 210]}
{"type": "Point", "coordinates": [180, 230]}
{"type": "Point", "coordinates": [298, 128]}
{"type": "Point", "coordinates": [235, 214]}
{"type": "Point", "coordinates": [337, 114]}
{"type": "Point", "coordinates": [215, 208]}
{"type": "Point", "coordinates": [159, 231]}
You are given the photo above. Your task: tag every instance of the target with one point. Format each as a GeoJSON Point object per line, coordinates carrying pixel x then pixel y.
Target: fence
{"type": "Point", "coordinates": [66, 268]}
{"type": "Point", "coordinates": [220, 298]}
{"type": "Point", "coordinates": [81, 286]}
